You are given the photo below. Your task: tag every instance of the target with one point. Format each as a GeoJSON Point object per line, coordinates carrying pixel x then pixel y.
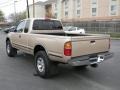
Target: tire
{"type": "Point", "coordinates": [11, 52]}
{"type": "Point", "coordinates": [44, 67]}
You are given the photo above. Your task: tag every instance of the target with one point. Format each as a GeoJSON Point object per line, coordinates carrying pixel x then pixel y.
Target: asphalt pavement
{"type": "Point", "coordinates": [18, 73]}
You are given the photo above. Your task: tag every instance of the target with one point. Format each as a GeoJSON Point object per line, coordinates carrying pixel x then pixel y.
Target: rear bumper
{"type": "Point", "coordinates": [90, 59]}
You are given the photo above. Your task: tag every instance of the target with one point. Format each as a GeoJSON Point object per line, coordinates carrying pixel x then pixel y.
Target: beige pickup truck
{"type": "Point", "coordinates": [50, 45]}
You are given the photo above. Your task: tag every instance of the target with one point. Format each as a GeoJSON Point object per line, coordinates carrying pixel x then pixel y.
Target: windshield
{"type": "Point", "coordinates": [72, 29]}
{"type": "Point", "coordinates": [47, 25]}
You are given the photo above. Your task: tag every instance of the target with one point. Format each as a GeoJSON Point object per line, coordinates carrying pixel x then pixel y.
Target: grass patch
{"type": "Point", "coordinates": [115, 35]}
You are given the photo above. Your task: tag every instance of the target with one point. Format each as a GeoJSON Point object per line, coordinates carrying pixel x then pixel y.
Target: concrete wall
{"type": "Point", "coordinates": [39, 11]}
{"type": "Point", "coordinates": [119, 7]}
{"type": "Point", "coordinates": [103, 10]}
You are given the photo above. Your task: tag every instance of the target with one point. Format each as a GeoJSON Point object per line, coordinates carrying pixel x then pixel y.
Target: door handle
{"type": "Point", "coordinates": [19, 36]}
{"type": "Point", "coordinates": [93, 41]}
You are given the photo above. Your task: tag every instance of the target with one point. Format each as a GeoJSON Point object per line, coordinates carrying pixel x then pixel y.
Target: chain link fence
{"type": "Point", "coordinates": [97, 26]}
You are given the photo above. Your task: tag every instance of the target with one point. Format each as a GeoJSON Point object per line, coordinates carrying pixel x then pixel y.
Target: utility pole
{"type": "Point", "coordinates": [15, 11]}
{"type": "Point", "coordinates": [28, 9]}
{"type": "Point", "coordinates": [59, 7]}
{"type": "Point", "coordinates": [33, 8]}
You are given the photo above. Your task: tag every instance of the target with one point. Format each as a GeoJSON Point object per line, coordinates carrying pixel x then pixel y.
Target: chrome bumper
{"type": "Point", "coordinates": [90, 59]}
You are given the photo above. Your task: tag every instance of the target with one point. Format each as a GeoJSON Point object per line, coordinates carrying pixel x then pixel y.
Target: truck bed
{"type": "Point", "coordinates": [64, 34]}
{"type": "Point", "coordinates": [84, 44]}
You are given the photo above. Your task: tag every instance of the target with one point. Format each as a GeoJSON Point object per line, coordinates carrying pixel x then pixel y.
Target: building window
{"type": "Point", "coordinates": [94, 1]}
{"type": "Point", "coordinates": [78, 12]}
{"type": "Point", "coordinates": [113, 7]}
{"type": "Point", "coordinates": [55, 15]}
{"type": "Point", "coordinates": [78, 7]}
{"type": "Point", "coordinates": [55, 6]}
{"type": "Point", "coordinates": [94, 11]}
{"type": "Point", "coordinates": [78, 3]}
{"type": "Point", "coordinates": [94, 5]}
{"type": "Point", "coordinates": [113, 10]}
{"type": "Point", "coordinates": [66, 13]}
{"type": "Point", "coordinates": [66, 4]}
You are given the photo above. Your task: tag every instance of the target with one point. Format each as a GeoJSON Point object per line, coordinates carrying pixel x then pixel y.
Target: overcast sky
{"type": "Point", "coordinates": [7, 6]}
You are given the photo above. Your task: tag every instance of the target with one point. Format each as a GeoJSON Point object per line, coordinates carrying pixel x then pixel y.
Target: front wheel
{"type": "Point", "coordinates": [11, 52]}
{"type": "Point", "coordinates": [43, 65]}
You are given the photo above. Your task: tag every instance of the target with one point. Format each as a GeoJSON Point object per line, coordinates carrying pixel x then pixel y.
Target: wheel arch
{"type": "Point", "coordinates": [39, 48]}
{"type": "Point", "coordinates": [7, 39]}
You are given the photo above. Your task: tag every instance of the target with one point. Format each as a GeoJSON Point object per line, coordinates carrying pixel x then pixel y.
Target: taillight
{"type": "Point", "coordinates": [68, 49]}
{"type": "Point", "coordinates": [109, 43]}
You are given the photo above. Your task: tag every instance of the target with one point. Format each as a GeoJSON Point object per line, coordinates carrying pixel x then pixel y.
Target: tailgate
{"type": "Point", "coordinates": [89, 45]}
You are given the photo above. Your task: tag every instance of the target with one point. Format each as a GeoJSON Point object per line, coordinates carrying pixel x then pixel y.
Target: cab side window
{"type": "Point", "coordinates": [27, 26]}
{"type": "Point", "coordinates": [21, 26]}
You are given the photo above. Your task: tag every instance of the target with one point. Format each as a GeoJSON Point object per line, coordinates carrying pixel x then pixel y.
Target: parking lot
{"type": "Point", "coordinates": [18, 73]}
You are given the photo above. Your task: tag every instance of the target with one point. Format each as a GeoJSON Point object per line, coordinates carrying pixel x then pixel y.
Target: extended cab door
{"type": "Point", "coordinates": [25, 37]}
{"type": "Point", "coordinates": [17, 36]}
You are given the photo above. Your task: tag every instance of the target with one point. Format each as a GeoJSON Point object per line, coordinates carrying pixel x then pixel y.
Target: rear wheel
{"type": "Point", "coordinates": [11, 52]}
{"type": "Point", "coordinates": [44, 67]}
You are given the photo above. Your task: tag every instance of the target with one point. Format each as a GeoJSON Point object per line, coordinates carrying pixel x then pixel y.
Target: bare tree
{"type": "Point", "coordinates": [18, 17]}
{"type": "Point", "coordinates": [1, 16]}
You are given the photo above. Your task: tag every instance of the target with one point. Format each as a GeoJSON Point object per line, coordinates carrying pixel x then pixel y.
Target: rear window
{"type": "Point", "coordinates": [47, 25]}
